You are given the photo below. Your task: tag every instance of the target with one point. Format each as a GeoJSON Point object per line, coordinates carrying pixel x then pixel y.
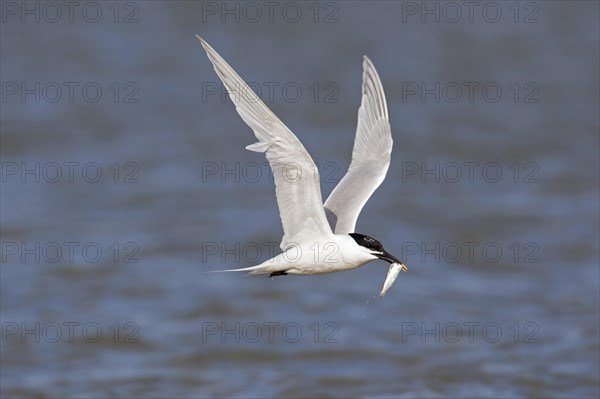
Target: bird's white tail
{"type": "Point", "coordinates": [259, 269]}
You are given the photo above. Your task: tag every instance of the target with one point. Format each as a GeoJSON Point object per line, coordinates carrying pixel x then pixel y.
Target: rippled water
{"type": "Point", "coordinates": [124, 179]}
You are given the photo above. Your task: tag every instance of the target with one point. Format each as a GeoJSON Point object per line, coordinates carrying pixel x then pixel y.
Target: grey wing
{"type": "Point", "coordinates": [296, 176]}
{"type": "Point", "coordinates": [370, 156]}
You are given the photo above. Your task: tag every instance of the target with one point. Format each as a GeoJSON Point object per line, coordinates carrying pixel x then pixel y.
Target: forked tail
{"type": "Point", "coordinates": [259, 269]}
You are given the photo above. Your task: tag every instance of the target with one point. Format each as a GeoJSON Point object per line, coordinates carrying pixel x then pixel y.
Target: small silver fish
{"type": "Point", "coordinates": [392, 274]}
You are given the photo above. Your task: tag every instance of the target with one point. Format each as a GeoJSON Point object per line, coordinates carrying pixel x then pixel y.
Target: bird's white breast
{"type": "Point", "coordinates": [337, 253]}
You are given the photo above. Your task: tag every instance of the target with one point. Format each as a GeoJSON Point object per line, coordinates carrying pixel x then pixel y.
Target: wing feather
{"type": "Point", "coordinates": [297, 183]}
{"type": "Point", "coordinates": [370, 156]}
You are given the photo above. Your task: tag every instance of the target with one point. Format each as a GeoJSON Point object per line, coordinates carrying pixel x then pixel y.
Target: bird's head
{"type": "Point", "coordinates": [374, 247]}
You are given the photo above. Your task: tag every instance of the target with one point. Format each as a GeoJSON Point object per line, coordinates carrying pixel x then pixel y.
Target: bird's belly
{"type": "Point", "coordinates": [316, 258]}
{"type": "Point", "coordinates": [330, 266]}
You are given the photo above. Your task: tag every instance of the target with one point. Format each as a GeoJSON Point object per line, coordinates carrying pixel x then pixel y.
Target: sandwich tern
{"type": "Point", "coordinates": [318, 238]}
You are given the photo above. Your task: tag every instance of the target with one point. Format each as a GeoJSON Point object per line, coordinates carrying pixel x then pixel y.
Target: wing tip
{"type": "Point", "coordinates": [201, 40]}
{"type": "Point", "coordinates": [372, 82]}
{"type": "Point", "coordinates": [209, 50]}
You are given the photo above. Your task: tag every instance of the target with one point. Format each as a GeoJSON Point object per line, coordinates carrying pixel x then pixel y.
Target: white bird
{"type": "Point", "coordinates": [317, 238]}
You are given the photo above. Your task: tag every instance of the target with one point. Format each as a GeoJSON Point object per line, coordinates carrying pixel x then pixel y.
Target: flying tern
{"type": "Point", "coordinates": [318, 238]}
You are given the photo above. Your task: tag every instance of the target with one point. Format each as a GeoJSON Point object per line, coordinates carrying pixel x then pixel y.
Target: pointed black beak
{"type": "Point", "coordinates": [387, 257]}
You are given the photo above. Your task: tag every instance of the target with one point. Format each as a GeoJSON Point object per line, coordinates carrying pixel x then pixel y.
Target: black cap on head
{"type": "Point", "coordinates": [375, 246]}
{"type": "Point", "coordinates": [367, 242]}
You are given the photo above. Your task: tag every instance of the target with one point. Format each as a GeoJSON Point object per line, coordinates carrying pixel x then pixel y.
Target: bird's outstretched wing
{"type": "Point", "coordinates": [295, 173]}
{"type": "Point", "coordinates": [370, 156]}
